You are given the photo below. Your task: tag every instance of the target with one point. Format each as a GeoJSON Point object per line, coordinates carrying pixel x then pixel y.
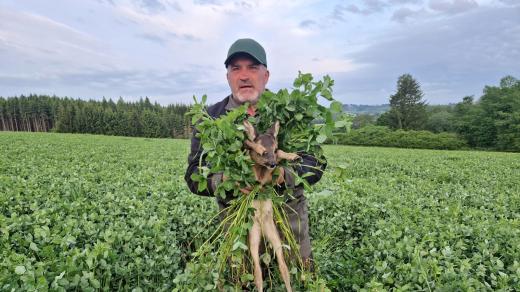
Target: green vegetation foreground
{"type": "Point", "coordinates": [113, 213]}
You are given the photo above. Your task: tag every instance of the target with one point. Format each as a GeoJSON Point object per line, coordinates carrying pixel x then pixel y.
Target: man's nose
{"type": "Point", "coordinates": [244, 75]}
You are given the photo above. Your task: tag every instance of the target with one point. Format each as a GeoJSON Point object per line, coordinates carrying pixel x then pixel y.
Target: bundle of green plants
{"type": "Point", "coordinates": [304, 125]}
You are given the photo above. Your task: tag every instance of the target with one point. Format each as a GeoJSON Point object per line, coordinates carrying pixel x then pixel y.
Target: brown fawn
{"type": "Point", "coordinates": [266, 155]}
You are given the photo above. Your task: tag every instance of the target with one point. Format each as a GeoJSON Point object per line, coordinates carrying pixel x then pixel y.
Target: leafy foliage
{"type": "Point", "coordinates": [297, 111]}
{"type": "Point", "coordinates": [407, 109]}
{"type": "Point", "coordinates": [383, 136]}
{"type": "Point", "coordinates": [87, 212]}
{"type": "Point", "coordinates": [84, 212]}
{"type": "Point", "coordinates": [363, 120]}
{"type": "Point", "coordinates": [305, 124]}
{"type": "Point", "coordinates": [418, 220]}
{"type": "Point", "coordinates": [440, 118]}
{"type": "Point", "coordinates": [42, 113]}
{"type": "Point", "coordinates": [493, 121]}
{"type": "Point", "coordinates": [221, 142]}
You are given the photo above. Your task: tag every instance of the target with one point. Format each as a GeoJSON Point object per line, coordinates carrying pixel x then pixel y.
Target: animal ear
{"type": "Point", "coordinates": [250, 130]}
{"type": "Point", "coordinates": [274, 129]}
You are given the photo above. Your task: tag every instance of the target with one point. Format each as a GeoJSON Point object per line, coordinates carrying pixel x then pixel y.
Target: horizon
{"type": "Point", "coordinates": [115, 100]}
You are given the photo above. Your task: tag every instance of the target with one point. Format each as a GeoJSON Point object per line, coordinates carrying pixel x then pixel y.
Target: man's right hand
{"type": "Point", "coordinates": [245, 190]}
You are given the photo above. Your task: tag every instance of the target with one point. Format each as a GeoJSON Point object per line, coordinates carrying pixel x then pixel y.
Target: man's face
{"type": "Point", "coordinates": [247, 79]}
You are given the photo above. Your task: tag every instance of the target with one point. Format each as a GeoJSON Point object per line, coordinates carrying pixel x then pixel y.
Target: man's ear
{"type": "Point", "coordinates": [274, 129]}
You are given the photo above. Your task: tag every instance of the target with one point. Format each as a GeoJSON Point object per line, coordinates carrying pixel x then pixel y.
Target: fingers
{"type": "Point", "coordinates": [247, 190]}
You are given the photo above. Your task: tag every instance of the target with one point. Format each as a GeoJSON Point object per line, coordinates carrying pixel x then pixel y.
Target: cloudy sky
{"type": "Point", "coordinates": [170, 50]}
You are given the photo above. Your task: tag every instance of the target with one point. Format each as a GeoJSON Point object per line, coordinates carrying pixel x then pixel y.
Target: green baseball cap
{"type": "Point", "coordinates": [247, 46]}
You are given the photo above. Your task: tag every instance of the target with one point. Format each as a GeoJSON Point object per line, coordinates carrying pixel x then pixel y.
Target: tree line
{"type": "Point", "coordinates": [490, 122]}
{"type": "Point", "coordinates": [42, 113]}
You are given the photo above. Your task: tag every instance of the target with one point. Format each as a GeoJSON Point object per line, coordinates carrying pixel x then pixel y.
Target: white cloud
{"type": "Point", "coordinates": [454, 57]}
{"type": "Point", "coordinates": [452, 6]}
{"type": "Point", "coordinates": [60, 47]}
{"type": "Point", "coordinates": [327, 66]}
{"type": "Point", "coordinates": [174, 22]}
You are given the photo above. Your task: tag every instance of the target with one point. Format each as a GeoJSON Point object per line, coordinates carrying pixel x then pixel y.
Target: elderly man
{"type": "Point", "coordinates": [247, 76]}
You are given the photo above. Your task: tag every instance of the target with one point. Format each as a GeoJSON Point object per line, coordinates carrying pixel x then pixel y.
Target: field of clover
{"type": "Point", "coordinates": [89, 213]}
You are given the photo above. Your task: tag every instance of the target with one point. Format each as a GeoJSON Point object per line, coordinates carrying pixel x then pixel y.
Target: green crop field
{"type": "Point", "coordinates": [83, 212]}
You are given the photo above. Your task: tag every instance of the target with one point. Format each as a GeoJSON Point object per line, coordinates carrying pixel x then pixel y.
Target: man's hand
{"type": "Point", "coordinates": [245, 190]}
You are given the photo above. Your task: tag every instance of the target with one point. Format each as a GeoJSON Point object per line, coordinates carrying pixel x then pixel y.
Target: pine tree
{"type": "Point", "coordinates": [407, 109]}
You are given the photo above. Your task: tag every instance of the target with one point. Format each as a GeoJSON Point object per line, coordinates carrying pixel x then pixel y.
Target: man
{"type": "Point", "coordinates": [247, 76]}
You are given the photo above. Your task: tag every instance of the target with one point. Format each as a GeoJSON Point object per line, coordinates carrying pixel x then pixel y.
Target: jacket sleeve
{"type": "Point", "coordinates": [309, 166]}
{"type": "Point", "coordinates": [312, 165]}
{"type": "Point", "coordinates": [193, 167]}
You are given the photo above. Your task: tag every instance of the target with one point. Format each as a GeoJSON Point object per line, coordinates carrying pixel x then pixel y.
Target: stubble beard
{"type": "Point", "coordinates": [252, 99]}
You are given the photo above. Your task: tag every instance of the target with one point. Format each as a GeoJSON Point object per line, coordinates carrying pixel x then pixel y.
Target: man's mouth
{"type": "Point", "coordinates": [245, 86]}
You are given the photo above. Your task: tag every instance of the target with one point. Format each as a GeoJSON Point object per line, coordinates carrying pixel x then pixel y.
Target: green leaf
{"type": "Point", "coordinates": [33, 246]}
{"type": "Point", "coordinates": [238, 244]}
{"type": "Point", "coordinates": [298, 117]}
{"type": "Point", "coordinates": [340, 124]}
{"type": "Point", "coordinates": [326, 94]}
{"type": "Point", "coordinates": [336, 107]}
{"type": "Point", "coordinates": [203, 185]}
{"type": "Point", "coordinates": [266, 258]}
{"type": "Point", "coordinates": [90, 262]}
{"type": "Point", "coordinates": [246, 278]}
{"type": "Point", "coordinates": [327, 81]}
{"type": "Point", "coordinates": [19, 270]}
{"type": "Point", "coordinates": [321, 138]}
{"type": "Point", "coordinates": [95, 283]}
{"type": "Point", "coordinates": [195, 177]}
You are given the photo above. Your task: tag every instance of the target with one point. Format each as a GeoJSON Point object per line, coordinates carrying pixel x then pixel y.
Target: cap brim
{"type": "Point", "coordinates": [246, 54]}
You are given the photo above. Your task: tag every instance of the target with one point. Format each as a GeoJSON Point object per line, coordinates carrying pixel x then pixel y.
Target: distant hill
{"type": "Point", "coordinates": [366, 109]}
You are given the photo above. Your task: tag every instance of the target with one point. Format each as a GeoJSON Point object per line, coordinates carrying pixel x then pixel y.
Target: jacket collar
{"type": "Point", "coordinates": [232, 103]}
